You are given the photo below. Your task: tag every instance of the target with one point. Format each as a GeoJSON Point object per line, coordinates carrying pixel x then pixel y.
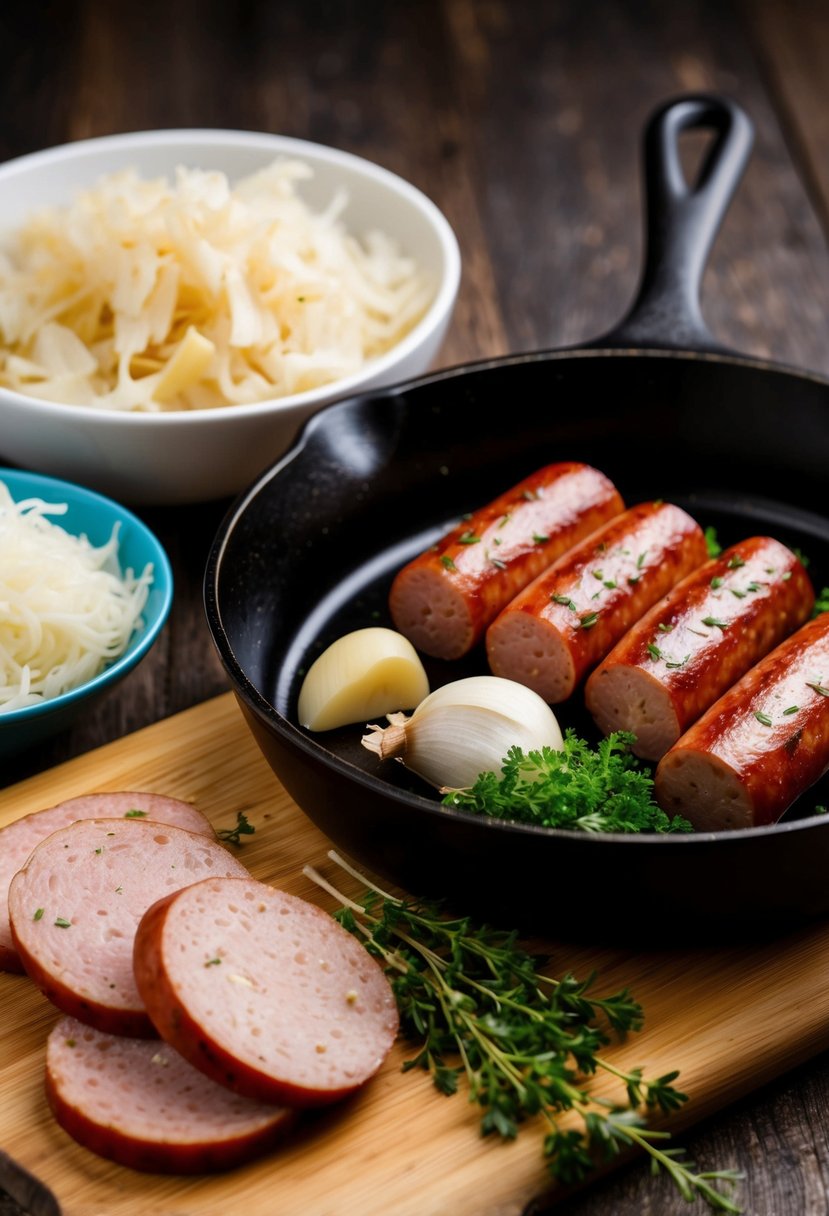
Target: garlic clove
{"type": "Point", "coordinates": [360, 676]}
{"type": "Point", "coordinates": [466, 728]}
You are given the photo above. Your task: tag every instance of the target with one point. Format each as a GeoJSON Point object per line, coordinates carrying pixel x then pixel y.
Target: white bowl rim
{"type": "Point", "coordinates": [364, 379]}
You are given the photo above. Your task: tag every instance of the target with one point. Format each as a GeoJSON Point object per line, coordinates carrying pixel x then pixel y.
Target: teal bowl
{"type": "Point", "coordinates": [94, 515]}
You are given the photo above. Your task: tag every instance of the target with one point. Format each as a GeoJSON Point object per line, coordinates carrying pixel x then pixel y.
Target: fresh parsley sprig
{"type": "Point", "coordinates": [480, 1010]}
{"type": "Point", "coordinates": [581, 788]}
{"type": "Point", "coordinates": [234, 835]}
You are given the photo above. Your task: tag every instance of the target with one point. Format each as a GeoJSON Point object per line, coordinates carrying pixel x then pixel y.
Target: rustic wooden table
{"type": "Point", "coordinates": [522, 121]}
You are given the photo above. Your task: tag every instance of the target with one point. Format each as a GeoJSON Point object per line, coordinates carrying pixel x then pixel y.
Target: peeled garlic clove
{"type": "Point", "coordinates": [466, 728]}
{"type": "Point", "coordinates": [361, 675]}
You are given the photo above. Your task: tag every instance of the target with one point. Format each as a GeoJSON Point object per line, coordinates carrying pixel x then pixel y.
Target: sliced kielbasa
{"type": "Point", "coordinates": [137, 1102]}
{"type": "Point", "coordinates": [18, 839]}
{"type": "Point", "coordinates": [75, 905]}
{"type": "Point", "coordinates": [264, 992]}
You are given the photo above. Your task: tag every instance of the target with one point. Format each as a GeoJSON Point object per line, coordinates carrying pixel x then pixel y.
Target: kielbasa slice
{"type": "Point", "coordinates": [264, 992]}
{"type": "Point", "coordinates": [568, 618]}
{"type": "Point", "coordinates": [19, 838]}
{"type": "Point", "coordinates": [444, 599]}
{"type": "Point", "coordinates": [137, 1102]}
{"type": "Point", "coordinates": [75, 906]}
{"type": "Point", "coordinates": [698, 641]}
{"type": "Point", "coordinates": [760, 746]}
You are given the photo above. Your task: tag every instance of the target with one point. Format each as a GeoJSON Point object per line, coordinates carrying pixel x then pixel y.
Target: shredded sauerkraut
{"type": "Point", "coordinates": [146, 295]}
{"type": "Point", "coordinates": [66, 610]}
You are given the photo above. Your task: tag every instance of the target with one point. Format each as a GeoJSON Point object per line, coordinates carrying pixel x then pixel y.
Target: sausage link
{"type": "Point", "coordinates": [444, 599]}
{"type": "Point", "coordinates": [760, 746]}
{"type": "Point", "coordinates": [568, 618]}
{"type": "Point", "coordinates": [697, 641]}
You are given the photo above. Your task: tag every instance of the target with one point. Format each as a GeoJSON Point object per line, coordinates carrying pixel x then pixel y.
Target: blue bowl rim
{"type": "Point", "coordinates": [45, 486]}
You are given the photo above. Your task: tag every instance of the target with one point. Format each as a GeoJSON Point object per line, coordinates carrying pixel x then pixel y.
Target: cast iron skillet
{"type": "Point", "coordinates": [309, 551]}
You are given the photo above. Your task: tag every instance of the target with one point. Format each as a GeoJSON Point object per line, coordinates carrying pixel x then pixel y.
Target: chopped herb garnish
{"type": "Point", "coordinates": [496, 561]}
{"type": "Point", "coordinates": [634, 579]}
{"type": "Point", "coordinates": [135, 814]}
{"type": "Point", "coordinates": [784, 578]}
{"type": "Point", "coordinates": [610, 584]}
{"type": "Point", "coordinates": [654, 651]}
{"type": "Point", "coordinates": [62, 922]}
{"type": "Point", "coordinates": [663, 628]}
{"type": "Point", "coordinates": [711, 543]}
{"type": "Point", "coordinates": [119, 890]}
{"type": "Point", "coordinates": [446, 561]}
{"type": "Point", "coordinates": [529, 495]}
{"type": "Point", "coordinates": [791, 710]}
{"type": "Point", "coordinates": [505, 518]}
{"type": "Point", "coordinates": [38, 914]}
{"type": "Point", "coordinates": [801, 557]}
{"type": "Point", "coordinates": [764, 719]}
{"type": "Point", "coordinates": [735, 562]}
{"type": "Point", "coordinates": [243, 828]}
{"type": "Point", "coordinates": [598, 574]}
{"type": "Point", "coordinates": [714, 622]}
{"type": "Point", "coordinates": [740, 595]}
{"type": "Point", "coordinates": [675, 666]}
{"type": "Point", "coordinates": [99, 850]}
{"type": "Point", "coordinates": [212, 962]}
{"type": "Point", "coordinates": [818, 687]}
{"type": "Point", "coordinates": [565, 600]}
{"type": "Point", "coordinates": [468, 538]}
{"type": "Point", "coordinates": [716, 582]}
{"type": "Point", "coordinates": [754, 587]}
{"type": "Point", "coordinates": [588, 621]}
{"type": "Point", "coordinates": [539, 538]}
{"type": "Point", "coordinates": [640, 561]}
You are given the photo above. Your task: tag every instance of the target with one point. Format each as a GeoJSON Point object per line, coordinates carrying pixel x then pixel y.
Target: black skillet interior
{"type": "Point", "coordinates": [309, 552]}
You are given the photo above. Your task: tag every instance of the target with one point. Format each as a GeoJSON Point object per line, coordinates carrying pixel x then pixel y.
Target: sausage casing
{"type": "Point", "coordinates": [698, 641]}
{"type": "Point", "coordinates": [761, 745]}
{"type": "Point", "coordinates": [444, 599]}
{"type": "Point", "coordinates": [568, 618]}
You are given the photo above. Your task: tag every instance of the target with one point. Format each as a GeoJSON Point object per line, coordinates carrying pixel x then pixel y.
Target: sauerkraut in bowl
{"type": "Point", "coordinates": [85, 589]}
{"type": "Point", "coordinates": [175, 304]}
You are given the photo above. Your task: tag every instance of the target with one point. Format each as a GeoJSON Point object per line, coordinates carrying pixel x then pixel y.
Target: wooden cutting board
{"type": "Point", "coordinates": [730, 1020]}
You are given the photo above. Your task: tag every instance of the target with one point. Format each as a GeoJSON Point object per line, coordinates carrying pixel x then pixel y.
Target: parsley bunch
{"type": "Point", "coordinates": [481, 1011]}
{"type": "Point", "coordinates": [581, 788]}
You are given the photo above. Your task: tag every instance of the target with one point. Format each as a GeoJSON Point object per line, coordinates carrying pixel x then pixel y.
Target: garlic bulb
{"type": "Point", "coordinates": [466, 728]}
{"type": "Point", "coordinates": [368, 672]}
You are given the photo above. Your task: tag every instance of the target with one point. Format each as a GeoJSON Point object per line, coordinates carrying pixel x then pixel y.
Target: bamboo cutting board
{"type": "Point", "coordinates": [730, 1020]}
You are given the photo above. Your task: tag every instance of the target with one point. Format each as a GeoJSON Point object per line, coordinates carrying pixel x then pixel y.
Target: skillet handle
{"type": "Point", "coordinates": [681, 222]}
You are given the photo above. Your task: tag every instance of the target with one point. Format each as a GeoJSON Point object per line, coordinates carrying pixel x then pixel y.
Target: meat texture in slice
{"type": "Point", "coordinates": [264, 992]}
{"type": "Point", "coordinates": [75, 906]}
{"type": "Point", "coordinates": [18, 839]}
{"type": "Point", "coordinates": [138, 1102]}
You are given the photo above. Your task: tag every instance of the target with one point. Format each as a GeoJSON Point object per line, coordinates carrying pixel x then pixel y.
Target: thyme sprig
{"type": "Point", "coordinates": [479, 1009]}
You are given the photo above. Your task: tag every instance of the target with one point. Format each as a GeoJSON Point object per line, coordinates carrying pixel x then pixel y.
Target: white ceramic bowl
{"type": "Point", "coordinates": [194, 456]}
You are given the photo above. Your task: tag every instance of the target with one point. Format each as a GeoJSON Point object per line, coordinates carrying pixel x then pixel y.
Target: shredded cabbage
{"type": "Point", "coordinates": [65, 608]}
{"type": "Point", "coordinates": [146, 295]}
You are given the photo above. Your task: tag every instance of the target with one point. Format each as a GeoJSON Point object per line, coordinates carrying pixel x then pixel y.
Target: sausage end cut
{"type": "Point", "coordinates": [264, 992]}
{"type": "Point", "coordinates": [703, 787]}
{"type": "Point", "coordinates": [625, 697]}
{"type": "Point", "coordinates": [139, 1103]}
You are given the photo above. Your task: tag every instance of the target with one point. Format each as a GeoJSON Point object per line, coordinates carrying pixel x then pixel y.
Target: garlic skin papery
{"type": "Point", "coordinates": [368, 672]}
{"type": "Point", "coordinates": [466, 728]}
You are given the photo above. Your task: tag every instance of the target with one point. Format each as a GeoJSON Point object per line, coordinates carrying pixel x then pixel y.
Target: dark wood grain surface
{"type": "Point", "coordinates": [522, 120]}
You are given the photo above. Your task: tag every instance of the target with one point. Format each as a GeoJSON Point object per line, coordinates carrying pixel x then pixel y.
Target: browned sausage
{"type": "Point", "coordinates": [758, 748]}
{"type": "Point", "coordinates": [75, 905]}
{"type": "Point", "coordinates": [137, 1102]}
{"type": "Point", "coordinates": [264, 992]}
{"type": "Point", "coordinates": [19, 838]}
{"type": "Point", "coordinates": [697, 641]}
{"type": "Point", "coordinates": [560, 626]}
{"type": "Point", "coordinates": [444, 599]}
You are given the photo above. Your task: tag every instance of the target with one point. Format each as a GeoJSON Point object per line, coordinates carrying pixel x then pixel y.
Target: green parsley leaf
{"type": "Point", "coordinates": [764, 719]}
{"type": "Point", "coordinates": [243, 828]}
